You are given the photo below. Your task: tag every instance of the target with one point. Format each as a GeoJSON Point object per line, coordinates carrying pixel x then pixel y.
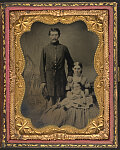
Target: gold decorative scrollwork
{"type": "Point", "coordinates": [21, 127]}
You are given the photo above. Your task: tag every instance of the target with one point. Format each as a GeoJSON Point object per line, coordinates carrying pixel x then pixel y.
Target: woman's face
{"type": "Point", "coordinates": [77, 70]}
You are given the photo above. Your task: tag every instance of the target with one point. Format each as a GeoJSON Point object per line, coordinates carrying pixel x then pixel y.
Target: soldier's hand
{"type": "Point", "coordinates": [43, 85]}
{"type": "Point", "coordinates": [69, 78]}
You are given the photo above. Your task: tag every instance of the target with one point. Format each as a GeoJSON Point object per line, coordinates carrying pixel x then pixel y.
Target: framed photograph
{"type": "Point", "coordinates": [60, 73]}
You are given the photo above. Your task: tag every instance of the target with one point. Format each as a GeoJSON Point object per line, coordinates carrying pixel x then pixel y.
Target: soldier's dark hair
{"type": "Point", "coordinates": [54, 29]}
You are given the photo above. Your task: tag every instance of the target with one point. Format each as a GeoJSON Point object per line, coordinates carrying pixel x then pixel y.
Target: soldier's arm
{"type": "Point", "coordinates": [69, 61]}
{"type": "Point", "coordinates": [42, 67]}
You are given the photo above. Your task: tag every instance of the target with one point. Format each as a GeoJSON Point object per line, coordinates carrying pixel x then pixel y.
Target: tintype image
{"type": "Point", "coordinates": [59, 75]}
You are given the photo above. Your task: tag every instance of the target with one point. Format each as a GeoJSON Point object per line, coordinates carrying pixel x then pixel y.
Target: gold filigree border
{"type": "Point", "coordinates": [64, 4]}
{"type": "Point", "coordinates": [115, 92]}
{"type": "Point", "coordinates": [4, 69]}
{"type": "Point", "coordinates": [96, 21]}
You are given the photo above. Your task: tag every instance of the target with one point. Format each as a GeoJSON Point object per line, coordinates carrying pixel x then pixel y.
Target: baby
{"type": "Point", "coordinates": [75, 92]}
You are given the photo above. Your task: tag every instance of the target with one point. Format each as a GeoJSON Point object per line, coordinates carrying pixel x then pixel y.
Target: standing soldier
{"type": "Point", "coordinates": [52, 67]}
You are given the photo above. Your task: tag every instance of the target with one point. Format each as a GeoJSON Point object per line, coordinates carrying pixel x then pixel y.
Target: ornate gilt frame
{"type": "Point", "coordinates": [19, 127]}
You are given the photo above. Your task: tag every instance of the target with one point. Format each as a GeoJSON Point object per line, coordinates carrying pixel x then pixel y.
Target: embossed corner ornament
{"type": "Point", "coordinates": [21, 127]}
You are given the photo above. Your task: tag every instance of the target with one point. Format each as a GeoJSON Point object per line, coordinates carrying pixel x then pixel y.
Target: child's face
{"type": "Point", "coordinates": [77, 70]}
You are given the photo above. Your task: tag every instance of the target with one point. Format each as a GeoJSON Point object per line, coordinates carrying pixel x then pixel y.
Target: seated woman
{"type": "Point", "coordinates": [78, 87]}
{"type": "Point", "coordinates": [77, 108]}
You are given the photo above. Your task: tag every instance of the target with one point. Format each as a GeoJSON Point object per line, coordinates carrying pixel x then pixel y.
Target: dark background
{"type": "Point", "coordinates": [118, 56]}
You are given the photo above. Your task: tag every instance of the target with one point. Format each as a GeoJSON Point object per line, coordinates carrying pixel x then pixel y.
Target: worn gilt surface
{"type": "Point", "coordinates": [21, 127]}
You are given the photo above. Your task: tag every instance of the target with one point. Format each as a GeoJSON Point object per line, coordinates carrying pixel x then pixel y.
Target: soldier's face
{"type": "Point", "coordinates": [54, 36]}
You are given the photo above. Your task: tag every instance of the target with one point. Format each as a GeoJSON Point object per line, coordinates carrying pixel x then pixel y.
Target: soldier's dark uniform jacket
{"type": "Point", "coordinates": [52, 68]}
